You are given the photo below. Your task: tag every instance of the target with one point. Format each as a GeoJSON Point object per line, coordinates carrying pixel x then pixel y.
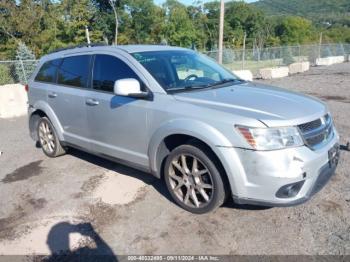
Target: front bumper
{"type": "Point", "coordinates": [257, 176]}
{"type": "Point", "coordinates": [326, 173]}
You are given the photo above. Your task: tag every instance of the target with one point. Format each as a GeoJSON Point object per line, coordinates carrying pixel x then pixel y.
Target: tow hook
{"type": "Point", "coordinates": [345, 147]}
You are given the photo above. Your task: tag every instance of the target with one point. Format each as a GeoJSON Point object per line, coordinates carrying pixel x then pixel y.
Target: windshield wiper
{"type": "Point", "coordinates": [189, 87]}
{"type": "Point", "coordinates": [224, 81]}
{"type": "Point", "coordinates": [221, 82]}
{"type": "Point", "coordinates": [212, 85]}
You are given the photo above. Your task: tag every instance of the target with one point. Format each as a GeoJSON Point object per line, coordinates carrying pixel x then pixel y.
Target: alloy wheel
{"type": "Point", "coordinates": [191, 181]}
{"type": "Point", "coordinates": [47, 138]}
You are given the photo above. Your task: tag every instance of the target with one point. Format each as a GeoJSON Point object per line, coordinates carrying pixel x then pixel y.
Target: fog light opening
{"type": "Point", "coordinates": [290, 190]}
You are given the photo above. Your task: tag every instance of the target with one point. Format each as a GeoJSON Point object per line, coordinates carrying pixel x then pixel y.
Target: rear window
{"type": "Point", "coordinates": [74, 71]}
{"type": "Point", "coordinates": [48, 71]}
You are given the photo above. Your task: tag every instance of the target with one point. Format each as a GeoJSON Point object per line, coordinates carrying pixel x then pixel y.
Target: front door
{"type": "Point", "coordinates": [117, 124]}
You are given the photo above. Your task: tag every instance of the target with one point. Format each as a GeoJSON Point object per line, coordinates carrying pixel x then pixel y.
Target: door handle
{"type": "Point", "coordinates": [52, 95]}
{"type": "Point", "coordinates": [91, 102]}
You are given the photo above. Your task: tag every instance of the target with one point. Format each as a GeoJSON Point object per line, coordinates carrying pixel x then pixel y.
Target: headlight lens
{"type": "Point", "coordinates": [271, 138]}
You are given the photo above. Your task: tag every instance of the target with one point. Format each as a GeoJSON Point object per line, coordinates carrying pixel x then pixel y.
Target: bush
{"type": "Point", "coordinates": [5, 76]}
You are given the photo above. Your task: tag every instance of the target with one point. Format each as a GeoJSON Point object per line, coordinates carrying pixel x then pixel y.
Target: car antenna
{"type": "Point", "coordinates": [87, 36]}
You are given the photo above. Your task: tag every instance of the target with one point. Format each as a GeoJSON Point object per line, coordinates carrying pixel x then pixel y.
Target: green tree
{"type": "Point", "coordinates": [179, 29]}
{"type": "Point", "coordinates": [295, 30]}
{"type": "Point", "coordinates": [20, 23]}
{"type": "Point", "coordinates": [44, 25]}
{"type": "Point", "coordinates": [200, 22]}
{"type": "Point", "coordinates": [24, 65]}
{"type": "Point", "coordinates": [146, 21]}
{"type": "Point", "coordinates": [52, 25]}
{"type": "Point", "coordinates": [104, 19]}
{"type": "Point", "coordinates": [77, 14]}
{"type": "Point", "coordinates": [338, 34]}
{"type": "Point", "coordinates": [212, 10]}
{"type": "Point", "coordinates": [244, 18]}
{"type": "Point", "coordinates": [5, 75]}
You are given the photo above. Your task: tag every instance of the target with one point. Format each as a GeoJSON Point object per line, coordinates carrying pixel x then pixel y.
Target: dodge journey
{"type": "Point", "coordinates": [180, 116]}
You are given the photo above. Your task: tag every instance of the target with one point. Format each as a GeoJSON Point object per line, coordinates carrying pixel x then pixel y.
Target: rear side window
{"type": "Point", "coordinates": [48, 71]}
{"type": "Point", "coordinates": [108, 69]}
{"type": "Point", "coordinates": [74, 71]}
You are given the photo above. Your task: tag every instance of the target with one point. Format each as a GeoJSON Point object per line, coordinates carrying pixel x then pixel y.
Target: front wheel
{"type": "Point", "coordinates": [48, 139]}
{"type": "Point", "coordinates": [193, 179]}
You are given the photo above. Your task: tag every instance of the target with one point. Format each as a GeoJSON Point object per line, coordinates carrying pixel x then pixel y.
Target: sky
{"type": "Point", "coordinates": [187, 2]}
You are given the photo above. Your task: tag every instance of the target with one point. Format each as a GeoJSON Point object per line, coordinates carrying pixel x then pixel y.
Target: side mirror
{"type": "Point", "coordinates": [129, 87]}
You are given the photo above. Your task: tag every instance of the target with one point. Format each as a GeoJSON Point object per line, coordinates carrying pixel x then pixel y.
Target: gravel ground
{"type": "Point", "coordinates": [49, 205]}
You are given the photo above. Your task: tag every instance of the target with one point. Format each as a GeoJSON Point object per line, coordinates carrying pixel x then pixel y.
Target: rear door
{"type": "Point", "coordinates": [67, 98]}
{"type": "Point", "coordinates": [118, 124]}
{"type": "Point", "coordinates": [44, 81]}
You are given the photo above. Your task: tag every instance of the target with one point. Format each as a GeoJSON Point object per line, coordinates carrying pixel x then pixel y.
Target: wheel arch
{"type": "Point", "coordinates": [179, 132]}
{"type": "Point", "coordinates": [42, 109]}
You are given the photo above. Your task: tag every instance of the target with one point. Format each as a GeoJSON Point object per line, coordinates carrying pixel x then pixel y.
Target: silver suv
{"type": "Point", "coordinates": [177, 114]}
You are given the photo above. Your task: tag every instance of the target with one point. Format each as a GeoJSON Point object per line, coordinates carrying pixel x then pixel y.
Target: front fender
{"type": "Point", "coordinates": [200, 130]}
{"type": "Point", "coordinates": [45, 107]}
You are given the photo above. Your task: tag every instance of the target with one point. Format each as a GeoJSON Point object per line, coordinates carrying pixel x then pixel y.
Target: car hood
{"type": "Point", "coordinates": [271, 105]}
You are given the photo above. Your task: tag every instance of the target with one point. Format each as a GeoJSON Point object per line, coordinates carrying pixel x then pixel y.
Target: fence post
{"type": "Point", "coordinates": [320, 45]}
{"type": "Point", "coordinates": [281, 54]}
{"type": "Point", "coordinates": [243, 54]}
{"type": "Point", "coordinates": [342, 49]}
{"type": "Point", "coordinates": [23, 71]}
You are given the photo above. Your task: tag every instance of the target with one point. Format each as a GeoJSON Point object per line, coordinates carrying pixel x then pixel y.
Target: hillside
{"type": "Point", "coordinates": [306, 8]}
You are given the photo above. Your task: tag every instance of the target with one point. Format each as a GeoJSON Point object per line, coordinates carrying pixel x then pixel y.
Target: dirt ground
{"type": "Point", "coordinates": [81, 201]}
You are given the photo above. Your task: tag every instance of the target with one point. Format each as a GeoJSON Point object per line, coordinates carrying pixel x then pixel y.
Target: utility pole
{"type": "Point", "coordinates": [221, 30]}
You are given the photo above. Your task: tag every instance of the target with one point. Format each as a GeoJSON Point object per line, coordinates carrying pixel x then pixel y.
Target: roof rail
{"type": "Point", "coordinates": [78, 46]}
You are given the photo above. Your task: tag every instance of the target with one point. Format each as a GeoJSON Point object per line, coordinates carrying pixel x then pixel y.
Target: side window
{"type": "Point", "coordinates": [74, 71]}
{"type": "Point", "coordinates": [108, 69]}
{"type": "Point", "coordinates": [48, 71]}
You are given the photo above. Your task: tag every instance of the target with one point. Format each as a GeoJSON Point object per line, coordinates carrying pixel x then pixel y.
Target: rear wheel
{"type": "Point", "coordinates": [193, 179]}
{"type": "Point", "coordinates": [48, 139]}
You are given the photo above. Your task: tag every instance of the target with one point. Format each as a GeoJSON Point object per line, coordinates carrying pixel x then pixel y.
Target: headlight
{"type": "Point", "coordinates": [271, 138]}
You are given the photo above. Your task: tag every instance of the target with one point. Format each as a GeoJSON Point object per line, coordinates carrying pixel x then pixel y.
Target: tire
{"type": "Point", "coordinates": [48, 139]}
{"type": "Point", "coordinates": [187, 181]}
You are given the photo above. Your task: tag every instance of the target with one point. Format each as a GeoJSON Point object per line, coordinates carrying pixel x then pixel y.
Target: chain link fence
{"type": "Point", "coordinates": [16, 71]}
{"type": "Point", "coordinates": [255, 59]}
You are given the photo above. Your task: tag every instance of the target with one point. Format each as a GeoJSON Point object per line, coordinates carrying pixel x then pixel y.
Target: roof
{"type": "Point", "coordinates": [146, 48]}
{"type": "Point", "coordinates": [125, 48]}
{"type": "Point", "coordinates": [98, 47]}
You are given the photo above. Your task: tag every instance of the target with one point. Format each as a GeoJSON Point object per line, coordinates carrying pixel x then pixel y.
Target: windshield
{"type": "Point", "coordinates": [183, 70]}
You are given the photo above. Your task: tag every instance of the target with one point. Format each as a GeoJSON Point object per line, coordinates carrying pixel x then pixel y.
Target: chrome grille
{"type": "Point", "coordinates": [310, 126]}
{"type": "Point", "coordinates": [318, 132]}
